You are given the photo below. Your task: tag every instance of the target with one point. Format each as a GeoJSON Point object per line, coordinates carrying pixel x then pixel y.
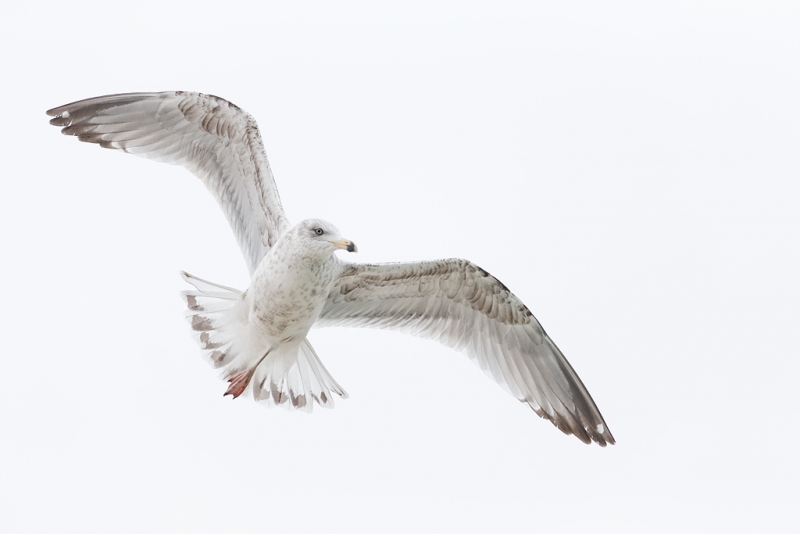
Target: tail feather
{"type": "Point", "coordinates": [210, 288]}
{"type": "Point", "coordinates": [296, 379]}
{"type": "Point", "coordinates": [209, 312]}
{"type": "Point", "coordinates": [317, 370]}
{"type": "Point", "coordinates": [292, 377]}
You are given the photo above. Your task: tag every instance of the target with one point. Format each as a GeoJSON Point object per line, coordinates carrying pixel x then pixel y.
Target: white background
{"type": "Point", "coordinates": [629, 170]}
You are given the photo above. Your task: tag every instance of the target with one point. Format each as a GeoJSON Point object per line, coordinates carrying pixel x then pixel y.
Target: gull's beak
{"type": "Point", "coordinates": [344, 244]}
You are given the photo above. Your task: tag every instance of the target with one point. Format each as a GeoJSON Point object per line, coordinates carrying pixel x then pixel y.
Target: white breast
{"type": "Point", "coordinates": [289, 291]}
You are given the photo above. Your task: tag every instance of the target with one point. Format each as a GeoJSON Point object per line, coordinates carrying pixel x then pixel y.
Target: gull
{"type": "Point", "coordinates": [258, 337]}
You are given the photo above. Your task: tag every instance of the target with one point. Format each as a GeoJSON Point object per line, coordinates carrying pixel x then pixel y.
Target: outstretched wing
{"type": "Point", "coordinates": [462, 306]}
{"type": "Point", "coordinates": [207, 135]}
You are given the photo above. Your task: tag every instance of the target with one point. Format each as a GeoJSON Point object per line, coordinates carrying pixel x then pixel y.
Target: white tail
{"type": "Point", "coordinates": [293, 377]}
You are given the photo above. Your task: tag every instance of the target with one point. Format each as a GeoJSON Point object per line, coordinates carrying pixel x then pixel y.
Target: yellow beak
{"type": "Point", "coordinates": [344, 244]}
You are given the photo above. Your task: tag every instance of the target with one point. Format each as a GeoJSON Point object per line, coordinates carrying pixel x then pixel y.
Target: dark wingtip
{"type": "Point", "coordinates": [60, 121]}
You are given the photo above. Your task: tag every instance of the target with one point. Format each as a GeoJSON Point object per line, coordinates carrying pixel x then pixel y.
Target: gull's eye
{"type": "Point", "coordinates": [319, 231]}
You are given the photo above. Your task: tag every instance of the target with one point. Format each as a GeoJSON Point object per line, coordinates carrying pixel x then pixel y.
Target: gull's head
{"type": "Point", "coordinates": [322, 237]}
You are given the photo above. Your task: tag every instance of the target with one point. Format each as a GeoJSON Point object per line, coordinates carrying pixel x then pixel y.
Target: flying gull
{"type": "Point", "coordinates": [258, 336]}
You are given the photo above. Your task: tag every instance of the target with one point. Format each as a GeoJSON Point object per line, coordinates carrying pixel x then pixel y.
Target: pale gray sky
{"type": "Point", "coordinates": [630, 170]}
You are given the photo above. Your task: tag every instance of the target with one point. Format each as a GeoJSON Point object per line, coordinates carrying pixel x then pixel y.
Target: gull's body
{"type": "Point", "coordinates": [259, 336]}
{"type": "Point", "coordinates": [279, 284]}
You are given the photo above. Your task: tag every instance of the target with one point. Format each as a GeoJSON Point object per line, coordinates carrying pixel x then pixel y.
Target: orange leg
{"type": "Point", "coordinates": [239, 381]}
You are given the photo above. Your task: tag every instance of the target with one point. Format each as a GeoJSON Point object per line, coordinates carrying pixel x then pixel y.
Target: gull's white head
{"type": "Point", "coordinates": [322, 237]}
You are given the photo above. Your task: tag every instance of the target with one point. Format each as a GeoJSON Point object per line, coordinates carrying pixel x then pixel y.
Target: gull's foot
{"type": "Point", "coordinates": [238, 383]}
